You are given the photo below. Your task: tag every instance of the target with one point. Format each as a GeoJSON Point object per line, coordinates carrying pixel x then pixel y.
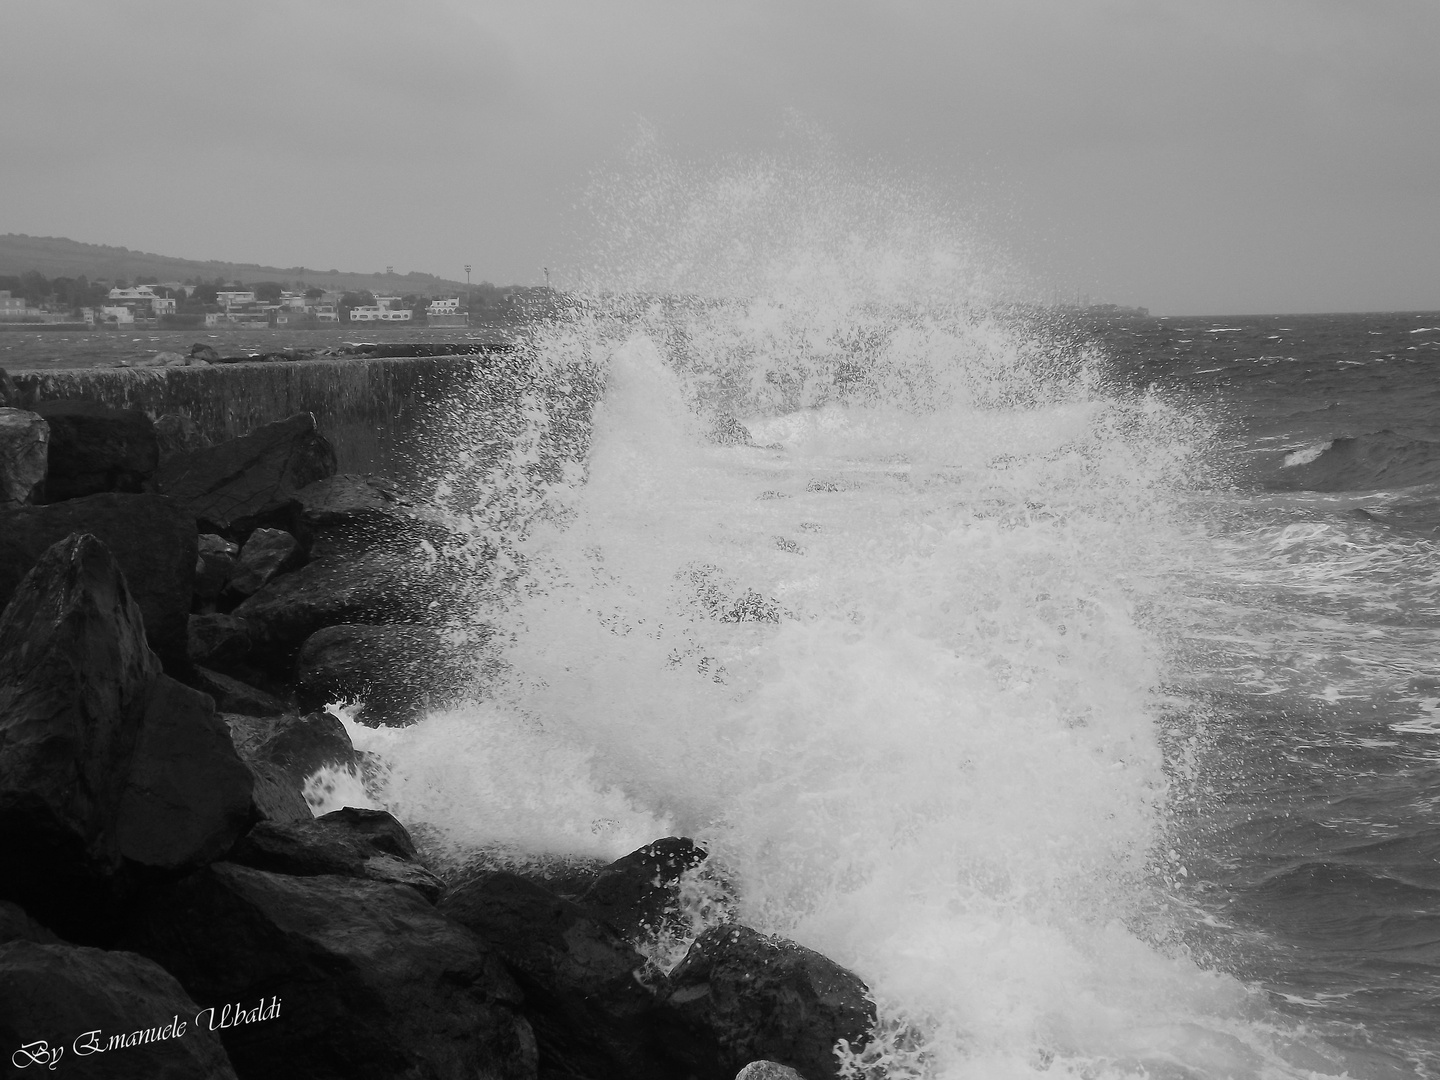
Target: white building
{"type": "Point", "coordinates": [449, 305]}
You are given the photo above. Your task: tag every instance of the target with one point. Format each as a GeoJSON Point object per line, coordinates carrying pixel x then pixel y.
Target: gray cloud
{"type": "Point", "coordinates": [1209, 155]}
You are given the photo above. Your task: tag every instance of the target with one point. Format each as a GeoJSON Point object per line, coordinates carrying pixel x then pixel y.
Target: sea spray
{"type": "Point", "coordinates": [895, 659]}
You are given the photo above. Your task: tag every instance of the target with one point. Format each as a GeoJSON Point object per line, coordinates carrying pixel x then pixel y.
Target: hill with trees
{"type": "Point", "coordinates": [58, 257]}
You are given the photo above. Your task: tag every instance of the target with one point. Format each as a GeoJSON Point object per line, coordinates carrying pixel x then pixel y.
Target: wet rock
{"type": "Point", "coordinates": [201, 351]}
{"type": "Point", "coordinates": [372, 982]}
{"type": "Point", "coordinates": [302, 744]}
{"type": "Point", "coordinates": [56, 1000]}
{"type": "Point", "coordinates": [275, 793]}
{"type": "Point", "coordinates": [235, 485]}
{"type": "Point", "coordinates": [351, 842]}
{"type": "Point", "coordinates": [398, 671]}
{"type": "Point", "coordinates": [103, 758]}
{"type": "Point", "coordinates": [266, 553]}
{"type": "Point", "coordinates": [187, 795]}
{"type": "Point", "coordinates": [215, 561]}
{"type": "Point", "coordinates": [24, 450]}
{"type": "Point", "coordinates": [151, 539]}
{"type": "Point", "coordinates": [590, 1013]}
{"type": "Point", "coordinates": [217, 641]}
{"type": "Point", "coordinates": [767, 1070]}
{"type": "Point", "coordinates": [233, 696]}
{"type": "Point", "coordinates": [739, 996]}
{"type": "Point", "coordinates": [9, 393]}
{"type": "Point", "coordinates": [382, 585]}
{"type": "Point", "coordinates": [637, 895]}
{"type": "Point", "coordinates": [175, 433]}
{"type": "Point", "coordinates": [95, 448]}
{"type": "Point", "coordinates": [343, 515]}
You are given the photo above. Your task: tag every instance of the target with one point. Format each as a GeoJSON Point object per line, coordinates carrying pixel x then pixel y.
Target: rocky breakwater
{"type": "Point", "coordinates": [174, 617]}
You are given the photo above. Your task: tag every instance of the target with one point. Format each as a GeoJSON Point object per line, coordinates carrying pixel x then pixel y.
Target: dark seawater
{"type": "Point", "coordinates": [1308, 707]}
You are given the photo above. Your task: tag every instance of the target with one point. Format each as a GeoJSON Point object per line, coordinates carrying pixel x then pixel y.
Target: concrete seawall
{"type": "Point", "coordinates": [377, 411]}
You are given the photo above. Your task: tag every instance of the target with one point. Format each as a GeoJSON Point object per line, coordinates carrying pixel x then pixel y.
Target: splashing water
{"type": "Point", "coordinates": [894, 658]}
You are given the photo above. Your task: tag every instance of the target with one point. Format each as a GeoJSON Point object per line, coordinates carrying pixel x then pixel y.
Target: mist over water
{"type": "Point", "coordinates": [898, 659]}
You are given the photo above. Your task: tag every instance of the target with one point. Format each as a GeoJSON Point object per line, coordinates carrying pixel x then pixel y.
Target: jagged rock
{"type": "Point", "coordinates": [238, 484]}
{"type": "Point", "coordinates": [17, 925]}
{"type": "Point", "coordinates": [397, 671]}
{"type": "Point", "coordinates": [351, 842]}
{"type": "Point", "coordinates": [373, 983]}
{"type": "Point", "coordinates": [103, 758]}
{"type": "Point", "coordinates": [233, 696]}
{"type": "Point", "coordinates": [57, 1001]}
{"type": "Point", "coordinates": [382, 585]}
{"type": "Point", "coordinates": [266, 553]}
{"type": "Point", "coordinates": [175, 433]}
{"type": "Point", "coordinates": [95, 448]}
{"type": "Point", "coordinates": [739, 996]}
{"type": "Point", "coordinates": [343, 515]}
{"type": "Point", "coordinates": [9, 393]}
{"type": "Point", "coordinates": [201, 351]}
{"type": "Point", "coordinates": [636, 895]}
{"type": "Point", "coordinates": [151, 539]}
{"type": "Point", "coordinates": [298, 744]}
{"type": "Point", "coordinates": [216, 640]}
{"type": "Point", "coordinates": [590, 1013]}
{"type": "Point", "coordinates": [276, 795]}
{"type": "Point", "coordinates": [767, 1070]}
{"type": "Point", "coordinates": [24, 450]}
{"type": "Point", "coordinates": [215, 562]}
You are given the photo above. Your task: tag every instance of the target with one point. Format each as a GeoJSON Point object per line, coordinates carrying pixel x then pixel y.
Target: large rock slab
{"type": "Point", "coordinates": [590, 1012]}
{"type": "Point", "coordinates": [351, 842]}
{"type": "Point", "coordinates": [343, 515]}
{"type": "Point", "coordinates": [87, 1013]}
{"type": "Point", "coordinates": [740, 996]}
{"type": "Point", "coordinates": [372, 982]}
{"type": "Point", "coordinates": [266, 553]}
{"type": "Point", "coordinates": [103, 758]}
{"type": "Point", "coordinates": [398, 671]}
{"type": "Point", "coordinates": [386, 584]}
{"type": "Point", "coordinates": [151, 539]}
{"type": "Point", "coordinates": [96, 448]}
{"type": "Point", "coordinates": [235, 485]}
{"type": "Point", "coordinates": [24, 451]}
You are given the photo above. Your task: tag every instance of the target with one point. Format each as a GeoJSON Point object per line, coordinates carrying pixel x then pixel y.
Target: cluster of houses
{"type": "Point", "coordinates": [144, 305]}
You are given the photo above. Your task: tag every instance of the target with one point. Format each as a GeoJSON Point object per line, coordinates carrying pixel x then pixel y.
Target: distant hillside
{"type": "Point", "coordinates": [55, 256]}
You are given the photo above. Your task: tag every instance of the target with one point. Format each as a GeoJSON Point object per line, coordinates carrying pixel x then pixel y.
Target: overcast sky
{"type": "Point", "coordinates": [1194, 156]}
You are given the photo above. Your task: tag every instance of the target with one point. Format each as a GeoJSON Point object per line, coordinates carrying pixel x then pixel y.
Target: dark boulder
{"type": "Point", "coordinates": [9, 392]}
{"type": "Point", "coordinates": [175, 433]}
{"type": "Point", "coordinates": [351, 842]}
{"type": "Point", "coordinates": [233, 696]}
{"type": "Point", "coordinates": [740, 996]}
{"type": "Point", "coordinates": [371, 981]}
{"type": "Point", "coordinates": [103, 758]}
{"type": "Point", "coordinates": [343, 515]}
{"type": "Point", "coordinates": [24, 451]}
{"type": "Point", "coordinates": [215, 562]}
{"type": "Point", "coordinates": [637, 895]}
{"type": "Point", "coordinates": [283, 752]}
{"type": "Point", "coordinates": [201, 351]}
{"type": "Point", "coordinates": [590, 1012]}
{"type": "Point", "coordinates": [187, 795]}
{"type": "Point", "coordinates": [78, 1012]}
{"type": "Point", "coordinates": [96, 448]}
{"type": "Point", "coordinates": [382, 585]}
{"type": "Point", "coordinates": [266, 553]}
{"type": "Point", "coordinates": [236, 485]}
{"type": "Point", "coordinates": [151, 539]}
{"type": "Point", "coordinates": [397, 671]}
{"type": "Point", "coordinates": [217, 641]}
